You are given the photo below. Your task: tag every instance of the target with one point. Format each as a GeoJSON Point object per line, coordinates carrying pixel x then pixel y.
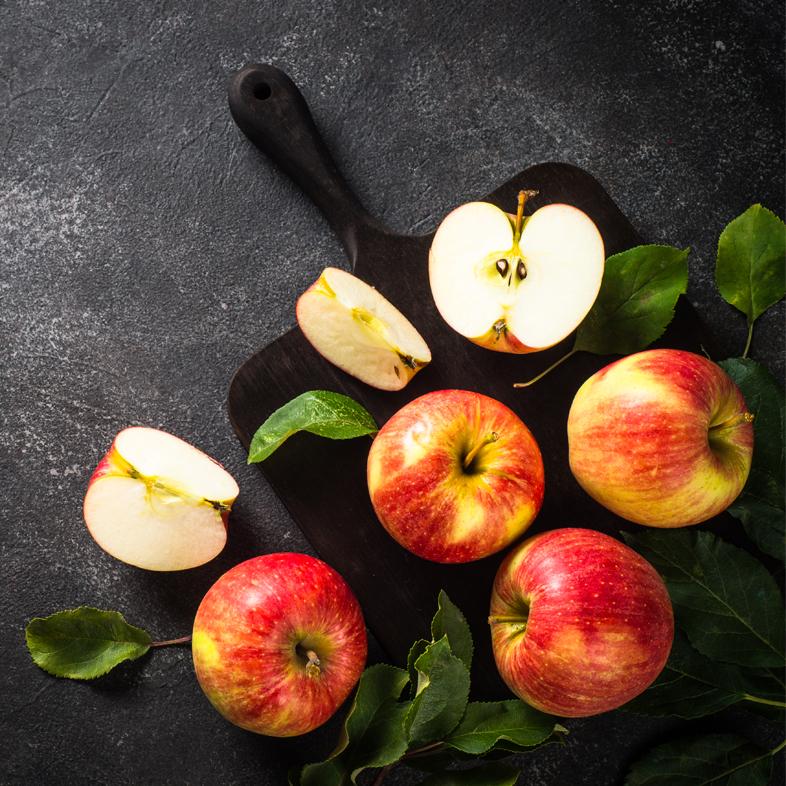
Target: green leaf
{"type": "Point", "coordinates": [751, 265]}
{"type": "Point", "coordinates": [725, 600]}
{"type": "Point", "coordinates": [373, 733]}
{"type": "Point", "coordinates": [320, 412]}
{"type": "Point", "coordinates": [443, 689]}
{"type": "Point", "coordinates": [691, 686]}
{"type": "Point", "coordinates": [717, 759]}
{"type": "Point", "coordinates": [84, 643]}
{"type": "Point", "coordinates": [415, 651]}
{"type": "Point", "coordinates": [760, 507]}
{"type": "Point", "coordinates": [487, 723]}
{"type": "Point", "coordinates": [489, 774]}
{"type": "Point", "coordinates": [450, 622]}
{"type": "Point", "coordinates": [636, 301]}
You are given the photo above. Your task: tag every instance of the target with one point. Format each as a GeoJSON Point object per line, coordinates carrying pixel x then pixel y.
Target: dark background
{"type": "Point", "coordinates": [147, 250]}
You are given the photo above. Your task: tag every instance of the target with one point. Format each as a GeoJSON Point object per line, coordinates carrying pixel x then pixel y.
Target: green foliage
{"type": "Point", "coordinates": [319, 412]}
{"type": "Point", "coordinates": [750, 269]}
{"type": "Point", "coordinates": [717, 759]}
{"type": "Point", "coordinates": [431, 726]}
{"type": "Point", "coordinates": [725, 600]}
{"type": "Point", "coordinates": [760, 507]}
{"type": "Point", "coordinates": [636, 300]}
{"type": "Point", "coordinates": [691, 686]}
{"type": "Point", "coordinates": [84, 643]}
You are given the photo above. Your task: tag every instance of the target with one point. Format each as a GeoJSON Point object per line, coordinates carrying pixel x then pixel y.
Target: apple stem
{"type": "Point", "coordinates": [169, 642]}
{"type": "Point", "coordinates": [493, 437]}
{"type": "Point", "coordinates": [733, 422]}
{"type": "Point", "coordinates": [543, 373]}
{"type": "Point", "coordinates": [524, 195]}
{"type": "Point", "coordinates": [503, 620]}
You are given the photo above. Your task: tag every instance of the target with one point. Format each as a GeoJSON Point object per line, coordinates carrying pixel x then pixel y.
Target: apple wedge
{"type": "Point", "coordinates": [354, 327]}
{"type": "Point", "coordinates": [158, 503]}
{"type": "Point", "coordinates": [512, 284]}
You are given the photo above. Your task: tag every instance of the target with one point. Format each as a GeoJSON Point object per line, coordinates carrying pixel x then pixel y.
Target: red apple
{"type": "Point", "coordinates": [455, 476]}
{"type": "Point", "coordinates": [580, 623]}
{"type": "Point", "coordinates": [278, 644]}
{"type": "Point", "coordinates": [662, 438]}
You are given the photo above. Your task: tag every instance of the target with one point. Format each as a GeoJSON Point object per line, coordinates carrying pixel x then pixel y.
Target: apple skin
{"type": "Point", "coordinates": [250, 638]}
{"type": "Point", "coordinates": [591, 622]}
{"type": "Point", "coordinates": [425, 498]}
{"type": "Point", "coordinates": [641, 440]}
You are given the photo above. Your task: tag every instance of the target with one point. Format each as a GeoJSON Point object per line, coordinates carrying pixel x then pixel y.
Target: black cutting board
{"type": "Point", "coordinates": [322, 482]}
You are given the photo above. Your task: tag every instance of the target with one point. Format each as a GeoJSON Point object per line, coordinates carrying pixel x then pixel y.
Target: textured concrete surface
{"type": "Point", "coordinates": [146, 250]}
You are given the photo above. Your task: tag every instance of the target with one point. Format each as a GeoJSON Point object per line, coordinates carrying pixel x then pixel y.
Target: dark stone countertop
{"type": "Point", "coordinates": [147, 250]}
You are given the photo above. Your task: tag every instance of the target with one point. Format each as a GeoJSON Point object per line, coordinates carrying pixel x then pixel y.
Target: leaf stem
{"type": "Point", "coordinates": [759, 700]}
{"type": "Point", "coordinates": [169, 642]}
{"type": "Point", "coordinates": [750, 336]}
{"type": "Point", "coordinates": [543, 373]}
{"type": "Point", "coordinates": [777, 749]}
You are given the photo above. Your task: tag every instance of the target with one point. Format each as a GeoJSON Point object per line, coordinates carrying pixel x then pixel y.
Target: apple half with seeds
{"type": "Point", "coordinates": [354, 327]}
{"type": "Point", "coordinates": [158, 503]}
{"type": "Point", "coordinates": [513, 284]}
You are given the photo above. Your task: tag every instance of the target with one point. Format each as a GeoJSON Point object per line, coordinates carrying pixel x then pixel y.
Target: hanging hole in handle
{"type": "Point", "coordinates": [262, 91]}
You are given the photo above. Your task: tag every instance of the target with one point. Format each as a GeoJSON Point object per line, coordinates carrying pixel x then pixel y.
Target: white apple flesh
{"type": "Point", "coordinates": [354, 327]}
{"type": "Point", "coordinates": [158, 503]}
{"type": "Point", "coordinates": [512, 284]}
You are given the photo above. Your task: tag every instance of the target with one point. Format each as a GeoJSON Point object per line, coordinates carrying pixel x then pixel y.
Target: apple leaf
{"type": "Point", "coordinates": [319, 412]}
{"type": "Point", "coordinates": [488, 774]}
{"type": "Point", "coordinates": [84, 643]}
{"type": "Point", "coordinates": [760, 506]}
{"type": "Point", "coordinates": [750, 269]}
{"type": "Point", "coordinates": [441, 698]}
{"type": "Point", "coordinates": [487, 723]}
{"type": "Point", "coordinates": [724, 599]}
{"type": "Point", "coordinates": [373, 732]}
{"type": "Point", "coordinates": [691, 686]}
{"type": "Point", "coordinates": [636, 301]}
{"type": "Point", "coordinates": [719, 759]}
{"type": "Point", "coordinates": [450, 622]}
{"type": "Point", "coordinates": [415, 651]}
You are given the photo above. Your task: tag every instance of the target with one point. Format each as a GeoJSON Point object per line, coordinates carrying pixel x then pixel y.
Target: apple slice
{"type": "Point", "coordinates": [354, 327]}
{"type": "Point", "coordinates": [157, 502]}
{"type": "Point", "coordinates": [515, 285]}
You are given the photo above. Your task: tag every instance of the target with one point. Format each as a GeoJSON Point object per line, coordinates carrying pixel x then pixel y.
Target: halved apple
{"type": "Point", "coordinates": [354, 327]}
{"type": "Point", "coordinates": [159, 503]}
{"type": "Point", "coordinates": [515, 285]}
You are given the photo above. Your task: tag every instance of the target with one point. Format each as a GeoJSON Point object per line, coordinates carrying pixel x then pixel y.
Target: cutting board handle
{"type": "Point", "coordinates": [270, 110]}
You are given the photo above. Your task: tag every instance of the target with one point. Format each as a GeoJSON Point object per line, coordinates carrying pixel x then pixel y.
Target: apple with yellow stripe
{"type": "Point", "coordinates": [580, 623]}
{"type": "Point", "coordinates": [278, 644]}
{"type": "Point", "coordinates": [156, 502]}
{"type": "Point", "coordinates": [662, 438]}
{"type": "Point", "coordinates": [455, 476]}
{"type": "Point", "coordinates": [515, 284]}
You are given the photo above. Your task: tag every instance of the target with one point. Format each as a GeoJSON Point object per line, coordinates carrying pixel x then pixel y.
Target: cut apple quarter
{"type": "Point", "coordinates": [512, 284]}
{"type": "Point", "coordinates": [159, 503]}
{"type": "Point", "coordinates": [354, 327]}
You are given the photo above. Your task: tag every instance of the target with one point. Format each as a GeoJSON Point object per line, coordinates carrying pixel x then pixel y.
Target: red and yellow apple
{"type": "Point", "coordinates": [455, 476]}
{"type": "Point", "coordinates": [156, 502]}
{"type": "Point", "coordinates": [278, 644]}
{"type": "Point", "coordinates": [580, 623]}
{"type": "Point", "coordinates": [515, 284]}
{"type": "Point", "coordinates": [661, 438]}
